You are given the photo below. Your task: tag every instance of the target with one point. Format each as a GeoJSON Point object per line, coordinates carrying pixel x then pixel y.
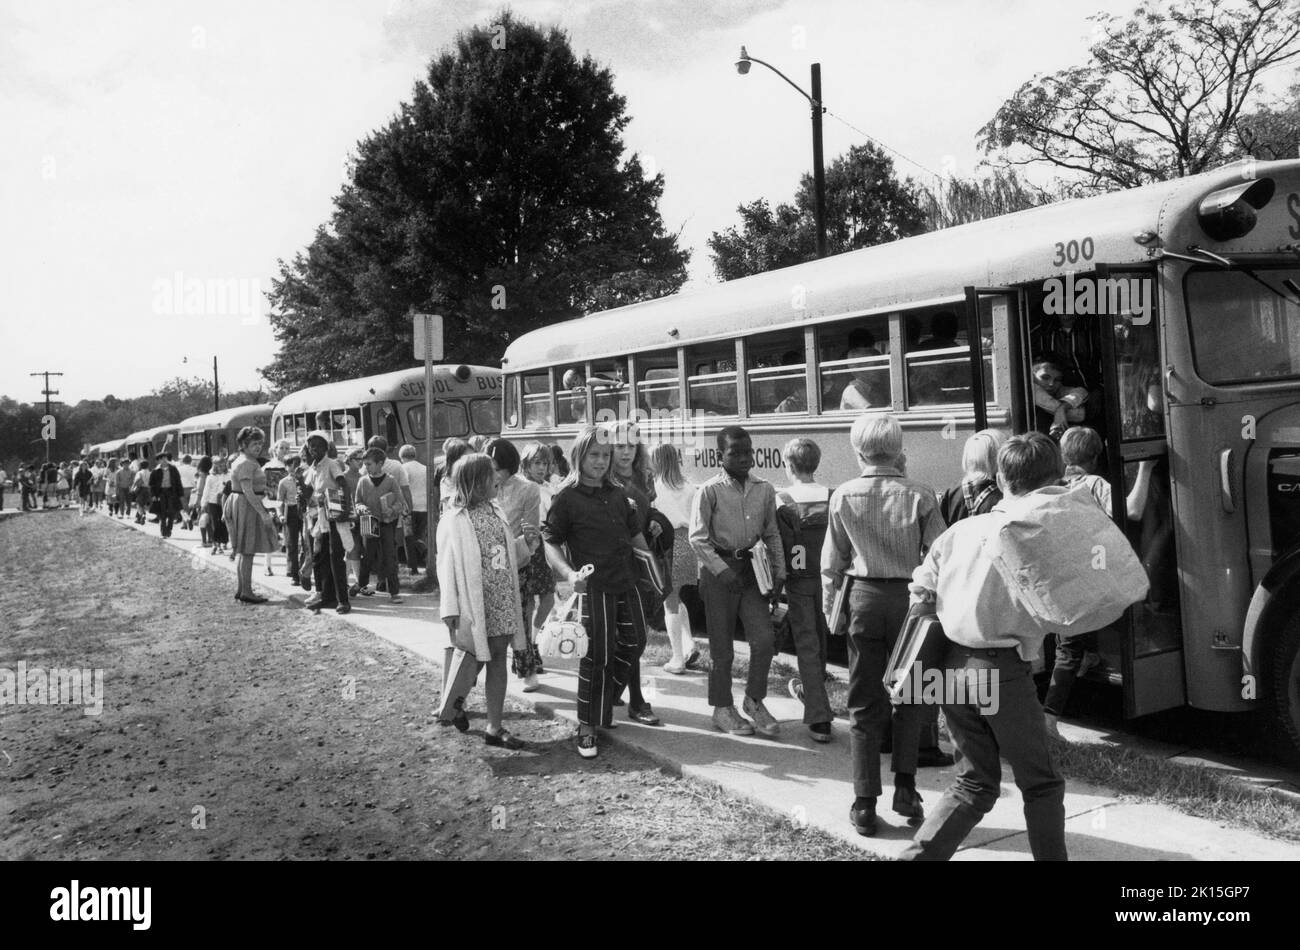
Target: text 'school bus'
{"type": "Point", "coordinates": [214, 433]}
{"type": "Point", "coordinates": [466, 402]}
{"type": "Point", "coordinates": [1178, 307]}
{"type": "Point", "coordinates": [150, 442]}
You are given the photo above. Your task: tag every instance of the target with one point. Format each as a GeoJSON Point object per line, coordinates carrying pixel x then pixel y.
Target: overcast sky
{"type": "Point", "coordinates": [154, 144]}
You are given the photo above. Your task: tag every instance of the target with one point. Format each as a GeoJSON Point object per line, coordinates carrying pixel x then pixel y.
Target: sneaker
{"type": "Point", "coordinates": [764, 723]}
{"type": "Point", "coordinates": [820, 731]}
{"type": "Point", "coordinates": [642, 714]}
{"type": "Point", "coordinates": [587, 747]}
{"type": "Point", "coordinates": [863, 816]}
{"type": "Point", "coordinates": [530, 683]}
{"type": "Point", "coordinates": [907, 802]}
{"type": "Point", "coordinates": [795, 686]}
{"type": "Point", "coordinates": [313, 601]}
{"type": "Point", "coordinates": [677, 669]}
{"type": "Point", "coordinates": [366, 591]}
{"type": "Point", "coordinates": [343, 609]}
{"type": "Point", "coordinates": [726, 719]}
{"type": "Point", "coordinates": [394, 599]}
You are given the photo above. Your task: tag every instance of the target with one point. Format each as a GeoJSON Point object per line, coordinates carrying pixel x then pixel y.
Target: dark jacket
{"type": "Point", "coordinates": [172, 497]}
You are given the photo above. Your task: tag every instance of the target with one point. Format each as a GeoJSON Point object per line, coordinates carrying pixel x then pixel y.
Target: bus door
{"type": "Point", "coordinates": [1148, 640]}
{"type": "Point", "coordinates": [993, 321]}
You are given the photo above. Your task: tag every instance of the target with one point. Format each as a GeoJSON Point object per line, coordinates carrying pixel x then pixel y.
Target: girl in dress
{"type": "Point", "coordinates": [251, 530]}
{"type": "Point", "coordinates": [520, 500]}
{"type": "Point", "coordinates": [539, 582]}
{"type": "Point", "coordinates": [478, 569]}
{"type": "Point", "coordinates": [674, 498]}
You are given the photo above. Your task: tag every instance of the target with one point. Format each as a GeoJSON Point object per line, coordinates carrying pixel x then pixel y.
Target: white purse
{"type": "Point", "coordinates": [563, 634]}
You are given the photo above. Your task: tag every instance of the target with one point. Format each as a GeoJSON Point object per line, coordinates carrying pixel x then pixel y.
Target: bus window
{"type": "Point", "coordinates": [448, 421]}
{"type": "Point", "coordinates": [609, 389]}
{"type": "Point", "coordinates": [386, 424]}
{"type": "Point", "coordinates": [657, 392]}
{"type": "Point", "coordinates": [537, 401]}
{"type": "Point", "coordinates": [1240, 331]}
{"type": "Point", "coordinates": [300, 428]}
{"type": "Point", "coordinates": [485, 416]}
{"type": "Point", "coordinates": [777, 371]}
{"type": "Point", "coordinates": [853, 365]}
{"type": "Point", "coordinates": [345, 427]}
{"type": "Point", "coordinates": [511, 417]}
{"type": "Point", "coordinates": [1137, 370]}
{"type": "Point", "coordinates": [571, 394]}
{"type": "Point", "coordinates": [277, 429]}
{"type": "Point", "coordinates": [711, 378]}
{"type": "Point", "coordinates": [937, 361]}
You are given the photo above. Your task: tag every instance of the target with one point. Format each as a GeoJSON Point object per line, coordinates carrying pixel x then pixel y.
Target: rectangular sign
{"type": "Point", "coordinates": [428, 333]}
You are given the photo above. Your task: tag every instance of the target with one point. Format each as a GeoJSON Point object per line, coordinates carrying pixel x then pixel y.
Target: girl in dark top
{"type": "Point", "coordinates": [978, 491]}
{"type": "Point", "coordinates": [592, 516]}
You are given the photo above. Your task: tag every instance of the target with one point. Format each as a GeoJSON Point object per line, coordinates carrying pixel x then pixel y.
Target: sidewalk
{"type": "Point", "coordinates": [807, 782]}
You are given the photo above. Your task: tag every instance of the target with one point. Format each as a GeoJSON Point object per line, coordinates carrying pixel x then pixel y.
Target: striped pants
{"type": "Point", "coordinates": [615, 623]}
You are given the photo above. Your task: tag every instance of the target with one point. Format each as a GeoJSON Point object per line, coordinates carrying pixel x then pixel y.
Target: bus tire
{"type": "Point", "coordinates": [1284, 690]}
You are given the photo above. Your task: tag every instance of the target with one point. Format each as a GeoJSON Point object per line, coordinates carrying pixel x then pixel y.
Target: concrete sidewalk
{"type": "Point", "coordinates": [793, 776]}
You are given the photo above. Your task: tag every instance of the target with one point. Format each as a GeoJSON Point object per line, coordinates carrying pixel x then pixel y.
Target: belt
{"type": "Point", "coordinates": [991, 653]}
{"type": "Point", "coordinates": [850, 578]}
{"type": "Point", "coordinates": [741, 554]}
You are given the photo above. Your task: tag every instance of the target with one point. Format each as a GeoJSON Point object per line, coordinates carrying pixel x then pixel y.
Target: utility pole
{"type": "Point", "coordinates": [47, 392]}
{"type": "Point", "coordinates": [216, 388]}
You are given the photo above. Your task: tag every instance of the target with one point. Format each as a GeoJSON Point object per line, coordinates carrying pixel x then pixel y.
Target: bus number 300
{"type": "Point", "coordinates": [1071, 252]}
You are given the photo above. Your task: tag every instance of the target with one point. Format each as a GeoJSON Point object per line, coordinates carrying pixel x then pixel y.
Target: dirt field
{"type": "Point", "coordinates": [266, 732]}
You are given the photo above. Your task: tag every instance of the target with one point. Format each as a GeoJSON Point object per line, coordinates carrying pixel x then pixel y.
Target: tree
{"type": "Point", "coordinates": [963, 200]}
{"type": "Point", "coordinates": [497, 196]}
{"type": "Point", "coordinates": [1160, 97]}
{"type": "Point", "coordinates": [1272, 132]}
{"type": "Point", "coordinates": [866, 204]}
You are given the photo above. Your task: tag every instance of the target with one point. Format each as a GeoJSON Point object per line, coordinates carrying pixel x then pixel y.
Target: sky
{"type": "Point", "coordinates": [162, 155]}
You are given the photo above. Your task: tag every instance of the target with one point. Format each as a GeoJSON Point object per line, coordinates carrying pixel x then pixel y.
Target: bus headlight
{"type": "Point", "coordinates": [1230, 212]}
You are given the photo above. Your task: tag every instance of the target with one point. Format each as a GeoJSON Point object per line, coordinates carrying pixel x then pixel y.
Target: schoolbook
{"type": "Point", "coordinates": [921, 640]}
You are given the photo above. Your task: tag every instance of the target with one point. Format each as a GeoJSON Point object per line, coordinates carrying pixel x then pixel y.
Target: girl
{"type": "Point", "coordinates": [538, 582]}
{"type": "Point", "coordinates": [140, 491]}
{"type": "Point", "coordinates": [196, 500]}
{"type": "Point", "coordinates": [593, 517]}
{"type": "Point", "coordinates": [675, 498]}
{"type": "Point", "coordinates": [83, 479]}
{"type": "Point", "coordinates": [213, 490]}
{"type": "Point", "coordinates": [453, 450]}
{"type": "Point", "coordinates": [63, 486]}
{"type": "Point", "coordinates": [478, 567]}
{"type": "Point", "coordinates": [629, 472]}
{"type": "Point", "coordinates": [520, 501]}
{"type": "Point", "coordinates": [978, 491]}
{"type": "Point", "coordinates": [251, 531]}
{"type": "Point", "coordinates": [110, 487]}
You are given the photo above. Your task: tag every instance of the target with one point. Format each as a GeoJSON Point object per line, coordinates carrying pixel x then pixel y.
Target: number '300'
{"type": "Point", "coordinates": [1071, 252]}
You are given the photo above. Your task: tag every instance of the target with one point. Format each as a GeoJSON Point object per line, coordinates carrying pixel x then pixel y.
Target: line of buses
{"type": "Point", "coordinates": [1198, 377]}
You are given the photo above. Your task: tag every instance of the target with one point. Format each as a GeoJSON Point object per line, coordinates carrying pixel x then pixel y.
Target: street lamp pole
{"type": "Point", "coordinates": [815, 102]}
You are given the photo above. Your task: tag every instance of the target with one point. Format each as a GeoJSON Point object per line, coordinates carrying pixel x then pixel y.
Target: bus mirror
{"type": "Point", "coordinates": [1230, 212]}
{"type": "Point", "coordinates": [462, 373]}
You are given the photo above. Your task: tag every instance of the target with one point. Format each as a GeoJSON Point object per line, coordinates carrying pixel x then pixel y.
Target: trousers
{"type": "Point", "coordinates": [722, 606]}
{"type": "Point", "coordinates": [615, 624]}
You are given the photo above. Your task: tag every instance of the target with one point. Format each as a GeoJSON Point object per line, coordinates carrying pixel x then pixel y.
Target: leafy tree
{"type": "Point", "coordinates": [497, 196]}
{"type": "Point", "coordinates": [1160, 96]}
{"type": "Point", "coordinates": [962, 200]}
{"type": "Point", "coordinates": [1273, 131]}
{"type": "Point", "coordinates": [866, 204]}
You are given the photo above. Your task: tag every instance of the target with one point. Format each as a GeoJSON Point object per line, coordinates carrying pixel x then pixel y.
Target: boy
{"type": "Point", "coordinates": [353, 470]}
{"type": "Point", "coordinates": [286, 493]}
{"type": "Point", "coordinates": [379, 497]}
{"type": "Point", "coordinates": [801, 518]}
{"type": "Point", "coordinates": [1058, 407]}
{"type": "Point", "coordinates": [733, 512]}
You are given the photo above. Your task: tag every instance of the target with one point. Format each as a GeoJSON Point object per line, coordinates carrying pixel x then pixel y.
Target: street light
{"type": "Point", "coordinates": [815, 101]}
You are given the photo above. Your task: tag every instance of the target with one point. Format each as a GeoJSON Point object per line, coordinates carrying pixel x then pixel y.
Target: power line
{"type": "Point", "coordinates": [871, 138]}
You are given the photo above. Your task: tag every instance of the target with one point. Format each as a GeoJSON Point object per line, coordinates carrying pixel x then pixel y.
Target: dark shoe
{"type": "Point", "coordinates": [864, 819]}
{"type": "Point", "coordinates": [619, 701]}
{"type": "Point", "coordinates": [460, 720]}
{"type": "Point", "coordinates": [382, 587]}
{"type": "Point", "coordinates": [325, 606]}
{"type": "Point", "coordinates": [354, 590]}
{"type": "Point", "coordinates": [505, 738]}
{"type": "Point", "coordinates": [821, 731]}
{"type": "Point", "coordinates": [907, 802]}
{"type": "Point", "coordinates": [934, 759]}
{"type": "Point", "coordinates": [693, 661]}
{"type": "Point", "coordinates": [253, 599]}
{"type": "Point", "coordinates": [644, 715]}
{"type": "Point", "coordinates": [343, 609]}
{"type": "Point", "coordinates": [587, 747]}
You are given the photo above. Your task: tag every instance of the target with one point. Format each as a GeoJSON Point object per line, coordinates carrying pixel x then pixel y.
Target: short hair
{"type": "Point", "coordinates": [377, 442]}
{"type": "Point", "coordinates": [533, 452]}
{"type": "Point", "coordinates": [1080, 445]}
{"type": "Point", "coordinates": [980, 454]}
{"type": "Point", "coordinates": [730, 433]}
{"type": "Point", "coordinates": [406, 453]}
{"type": "Point", "coordinates": [376, 455]}
{"type": "Point", "coordinates": [205, 464]}
{"type": "Point", "coordinates": [1028, 462]}
{"type": "Point", "coordinates": [359, 453]}
{"type": "Point", "coordinates": [291, 460]}
{"type": "Point", "coordinates": [1048, 359]}
{"type": "Point", "coordinates": [473, 477]}
{"type": "Point", "coordinates": [877, 438]}
{"type": "Point", "coordinates": [861, 338]}
{"type": "Point", "coordinates": [187, 458]}
{"type": "Point", "coordinates": [803, 455]}
{"type": "Point", "coordinates": [248, 435]}
{"type": "Point", "coordinates": [282, 444]}
{"type": "Point", "coordinates": [504, 453]}
{"type": "Point", "coordinates": [558, 461]}
{"type": "Point", "coordinates": [943, 325]}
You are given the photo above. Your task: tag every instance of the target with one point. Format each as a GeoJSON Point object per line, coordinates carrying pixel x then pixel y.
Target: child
{"type": "Point", "coordinates": [593, 517]}
{"type": "Point", "coordinates": [478, 567]}
{"type": "Point", "coordinates": [801, 518]}
{"type": "Point", "coordinates": [1063, 407]}
{"type": "Point", "coordinates": [377, 496]}
{"type": "Point", "coordinates": [286, 495]}
{"type": "Point", "coordinates": [354, 548]}
{"type": "Point", "coordinates": [675, 498]}
{"type": "Point", "coordinates": [538, 583]}
{"type": "Point", "coordinates": [733, 512]}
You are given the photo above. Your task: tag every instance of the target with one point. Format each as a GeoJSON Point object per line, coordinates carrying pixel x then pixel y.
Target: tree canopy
{"type": "Point", "coordinates": [1162, 95]}
{"type": "Point", "coordinates": [497, 196]}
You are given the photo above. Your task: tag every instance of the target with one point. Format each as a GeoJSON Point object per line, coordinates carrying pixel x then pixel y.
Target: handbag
{"type": "Point", "coordinates": [205, 521]}
{"type": "Point", "coordinates": [563, 634]}
{"type": "Point", "coordinates": [369, 526]}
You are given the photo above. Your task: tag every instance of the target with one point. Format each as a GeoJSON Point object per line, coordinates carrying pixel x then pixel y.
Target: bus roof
{"type": "Point", "coordinates": [146, 435]}
{"type": "Point", "coordinates": [226, 418]}
{"type": "Point", "coordinates": [403, 384]}
{"type": "Point", "coordinates": [108, 448]}
{"type": "Point", "coordinates": [927, 269]}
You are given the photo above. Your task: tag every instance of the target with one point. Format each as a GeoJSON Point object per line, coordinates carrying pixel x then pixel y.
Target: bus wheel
{"type": "Point", "coordinates": [1285, 691]}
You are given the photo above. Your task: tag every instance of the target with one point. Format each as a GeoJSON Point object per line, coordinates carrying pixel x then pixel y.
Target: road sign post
{"type": "Point", "coordinates": [427, 329]}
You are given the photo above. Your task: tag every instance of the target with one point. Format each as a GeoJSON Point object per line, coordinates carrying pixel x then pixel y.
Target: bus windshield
{"type": "Point", "coordinates": [1241, 331]}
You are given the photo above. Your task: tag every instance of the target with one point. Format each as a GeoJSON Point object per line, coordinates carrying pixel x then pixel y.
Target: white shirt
{"type": "Point", "coordinates": [212, 488]}
{"type": "Point", "coordinates": [675, 503]}
{"type": "Point", "coordinates": [419, 480]}
{"type": "Point", "coordinates": [189, 475]}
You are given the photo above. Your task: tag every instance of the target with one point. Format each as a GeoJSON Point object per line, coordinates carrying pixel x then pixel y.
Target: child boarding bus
{"type": "Point", "coordinates": [1175, 308]}
{"type": "Point", "coordinates": [466, 402]}
{"type": "Point", "coordinates": [149, 442]}
{"type": "Point", "coordinates": [214, 433]}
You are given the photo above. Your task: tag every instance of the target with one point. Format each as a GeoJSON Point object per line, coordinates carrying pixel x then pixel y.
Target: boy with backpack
{"type": "Point", "coordinates": [801, 517]}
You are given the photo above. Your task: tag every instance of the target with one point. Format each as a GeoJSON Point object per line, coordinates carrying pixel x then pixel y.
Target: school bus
{"type": "Point", "coordinates": [149, 442]}
{"type": "Point", "coordinates": [1182, 299]}
{"type": "Point", "coordinates": [466, 402]}
{"type": "Point", "coordinates": [214, 433]}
